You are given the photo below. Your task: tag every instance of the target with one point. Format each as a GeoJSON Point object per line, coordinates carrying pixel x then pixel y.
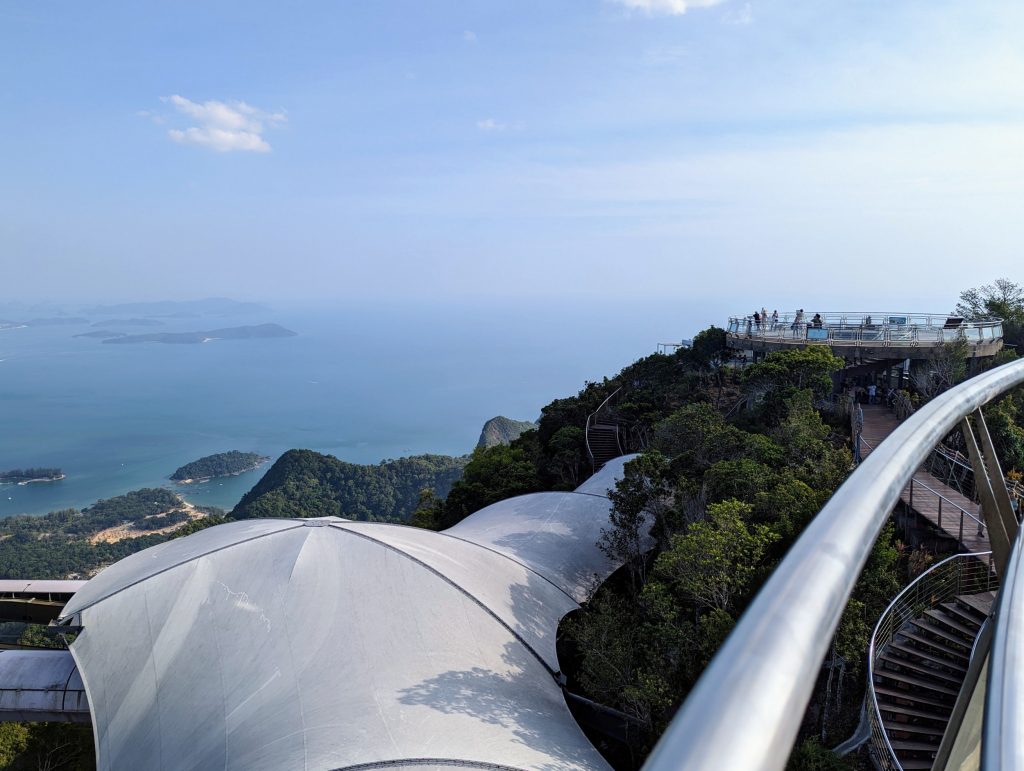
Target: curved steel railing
{"type": "Point", "coordinates": [746, 709]}
{"type": "Point", "coordinates": [959, 574]}
{"type": "Point", "coordinates": [879, 329]}
{"type": "Point", "coordinates": [1002, 741]}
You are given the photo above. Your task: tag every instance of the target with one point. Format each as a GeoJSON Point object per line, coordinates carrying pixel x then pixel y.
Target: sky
{"type": "Point", "coordinates": [866, 154]}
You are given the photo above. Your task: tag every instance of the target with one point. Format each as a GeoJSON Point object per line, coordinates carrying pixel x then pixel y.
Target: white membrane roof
{"type": "Point", "coordinates": [329, 644]}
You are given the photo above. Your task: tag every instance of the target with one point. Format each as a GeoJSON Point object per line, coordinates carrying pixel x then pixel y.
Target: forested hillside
{"type": "Point", "coordinates": [303, 483]}
{"type": "Point", "coordinates": [59, 545]}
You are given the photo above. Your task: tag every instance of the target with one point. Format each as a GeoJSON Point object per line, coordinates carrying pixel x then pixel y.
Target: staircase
{"type": "Point", "coordinates": [919, 674]}
{"type": "Point", "coordinates": [603, 443]}
{"type": "Point", "coordinates": [603, 437]}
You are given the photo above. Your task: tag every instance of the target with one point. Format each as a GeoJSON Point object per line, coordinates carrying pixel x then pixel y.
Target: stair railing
{"type": "Point", "coordinates": [959, 574]}
{"type": "Point", "coordinates": [950, 504]}
{"type": "Point", "coordinates": [747, 709]}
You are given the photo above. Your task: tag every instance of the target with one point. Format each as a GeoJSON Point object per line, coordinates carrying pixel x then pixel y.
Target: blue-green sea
{"type": "Point", "coordinates": [361, 383]}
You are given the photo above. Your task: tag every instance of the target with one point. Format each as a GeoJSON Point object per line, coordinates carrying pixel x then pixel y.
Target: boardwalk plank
{"type": "Point", "coordinates": [932, 498]}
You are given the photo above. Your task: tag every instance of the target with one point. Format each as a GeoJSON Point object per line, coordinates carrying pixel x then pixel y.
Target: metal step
{"type": "Point", "coordinates": [941, 715]}
{"type": "Point", "coordinates": [916, 764]}
{"type": "Point", "coordinates": [913, 696]}
{"type": "Point", "coordinates": [967, 615]}
{"type": "Point", "coordinates": [910, 728]}
{"type": "Point", "coordinates": [922, 668]}
{"type": "Point", "coordinates": [954, 653]}
{"type": "Point", "coordinates": [940, 660]}
{"type": "Point", "coordinates": [982, 602]}
{"type": "Point", "coordinates": [954, 624]}
{"type": "Point", "coordinates": [916, 746]}
{"type": "Point", "coordinates": [903, 677]}
{"type": "Point", "coordinates": [940, 632]}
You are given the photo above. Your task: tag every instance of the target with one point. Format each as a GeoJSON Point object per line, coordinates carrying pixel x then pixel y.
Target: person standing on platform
{"type": "Point", "coordinates": [872, 393]}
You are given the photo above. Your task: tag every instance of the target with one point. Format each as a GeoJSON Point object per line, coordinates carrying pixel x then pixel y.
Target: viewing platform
{"type": "Point", "coordinates": [871, 335]}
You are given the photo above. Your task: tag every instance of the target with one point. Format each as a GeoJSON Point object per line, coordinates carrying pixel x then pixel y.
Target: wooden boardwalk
{"type": "Point", "coordinates": [951, 512]}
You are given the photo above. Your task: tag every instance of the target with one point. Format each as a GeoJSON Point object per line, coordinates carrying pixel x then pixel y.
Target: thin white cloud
{"type": "Point", "coordinates": [223, 126]}
{"type": "Point", "coordinates": [666, 7]}
{"type": "Point", "coordinates": [490, 124]}
{"type": "Point", "coordinates": [742, 15]}
{"type": "Point", "coordinates": [469, 36]}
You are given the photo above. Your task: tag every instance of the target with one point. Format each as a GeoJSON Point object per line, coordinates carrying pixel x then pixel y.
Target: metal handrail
{"type": "Point", "coordinates": [591, 416]}
{"type": "Point", "coordinates": [954, 504]}
{"type": "Point", "coordinates": [1002, 738]}
{"type": "Point", "coordinates": [905, 606]}
{"type": "Point", "coordinates": [747, 708]}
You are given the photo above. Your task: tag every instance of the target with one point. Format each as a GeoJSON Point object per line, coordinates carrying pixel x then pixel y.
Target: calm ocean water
{"type": "Point", "coordinates": [362, 384]}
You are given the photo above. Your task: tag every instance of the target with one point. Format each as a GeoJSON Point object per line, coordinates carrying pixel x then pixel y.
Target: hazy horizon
{"type": "Point", "coordinates": [603, 150]}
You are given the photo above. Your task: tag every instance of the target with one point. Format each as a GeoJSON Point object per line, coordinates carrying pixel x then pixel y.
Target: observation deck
{"type": "Point", "coordinates": [873, 335]}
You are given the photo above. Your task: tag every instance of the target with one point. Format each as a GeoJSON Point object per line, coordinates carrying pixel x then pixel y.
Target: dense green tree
{"type": "Point", "coordinates": [303, 483]}
{"type": "Point", "coordinates": [429, 510]}
{"type": "Point", "coordinates": [1003, 299]}
{"type": "Point", "coordinates": [801, 368]}
{"type": "Point", "coordinates": [568, 453]}
{"type": "Point", "coordinates": [715, 562]}
{"type": "Point", "coordinates": [492, 474]}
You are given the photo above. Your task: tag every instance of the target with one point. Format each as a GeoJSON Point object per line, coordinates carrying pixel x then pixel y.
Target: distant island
{"type": "Point", "coordinates": [129, 323]}
{"type": "Point", "coordinates": [221, 464]}
{"type": "Point", "coordinates": [228, 333]}
{"type": "Point", "coordinates": [102, 334]}
{"type": "Point", "coordinates": [502, 430]}
{"type": "Point", "coordinates": [24, 476]}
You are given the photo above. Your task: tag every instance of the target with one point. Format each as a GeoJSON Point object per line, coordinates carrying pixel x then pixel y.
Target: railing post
{"type": "Point", "coordinates": [940, 512]}
{"type": "Point", "coordinates": [1001, 530]}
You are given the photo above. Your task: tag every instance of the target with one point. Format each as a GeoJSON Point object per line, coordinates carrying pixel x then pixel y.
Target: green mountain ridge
{"type": "Point", "coordinates": [304, 483]}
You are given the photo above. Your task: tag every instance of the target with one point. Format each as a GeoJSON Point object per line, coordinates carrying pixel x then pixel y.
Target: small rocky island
{"type": "Point", "coordinates": [221, 464]}
{"type": "Point", "coordinates": [228, 333]}
{"type": "Point", "coordinates": [25, 476]}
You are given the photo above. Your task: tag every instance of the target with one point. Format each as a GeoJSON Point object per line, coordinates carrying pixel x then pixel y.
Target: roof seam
{"type": "Point", "coordinates": [192, 558]}
{"type": "Point", "coordinates": [461, 589]}
{"type": "Point", "coordinates": [512, 559]}
{"type": "Point", "coordinates": [453, 762]}
{"type": "Point", "coordinates": [491, 549]}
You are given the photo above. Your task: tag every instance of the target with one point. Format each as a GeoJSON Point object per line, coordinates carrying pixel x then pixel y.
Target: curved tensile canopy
{"type": "Point", "coordinates": [324, 643]}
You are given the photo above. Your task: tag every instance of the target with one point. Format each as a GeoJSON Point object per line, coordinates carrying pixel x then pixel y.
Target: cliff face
{"type": "Point", "coordinates": [502, 430]}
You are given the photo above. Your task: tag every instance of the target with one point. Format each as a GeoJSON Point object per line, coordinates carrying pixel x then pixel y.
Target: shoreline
{"type": "Point", "coordinates": [23, 482]}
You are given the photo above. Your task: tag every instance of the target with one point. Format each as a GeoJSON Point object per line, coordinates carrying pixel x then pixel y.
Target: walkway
{"type": "Point", "coordinates": [950, 511]}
